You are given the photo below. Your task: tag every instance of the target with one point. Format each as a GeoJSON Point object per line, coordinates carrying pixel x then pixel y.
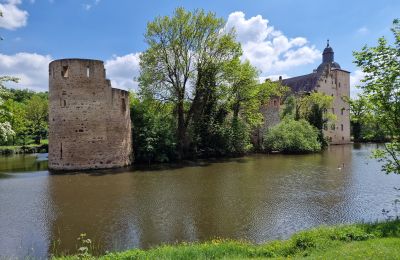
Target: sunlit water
{"type": "Point", "coordinates": [256, 198]}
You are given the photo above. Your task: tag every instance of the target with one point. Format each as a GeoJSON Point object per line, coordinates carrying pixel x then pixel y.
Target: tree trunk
{"type": "Point", "coordinates": [181, 135]}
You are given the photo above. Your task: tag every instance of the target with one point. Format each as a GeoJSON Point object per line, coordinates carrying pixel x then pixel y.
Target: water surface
{"type": "Point", "coordinates": [257, 198]}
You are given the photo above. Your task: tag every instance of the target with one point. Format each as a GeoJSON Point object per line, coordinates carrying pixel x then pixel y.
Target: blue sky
{"type": "Point", "coordinates": [279, 37]}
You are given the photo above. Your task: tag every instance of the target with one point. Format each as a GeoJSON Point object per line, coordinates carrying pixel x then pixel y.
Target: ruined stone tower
{"type": "Point", "coordinates": [89, 121]}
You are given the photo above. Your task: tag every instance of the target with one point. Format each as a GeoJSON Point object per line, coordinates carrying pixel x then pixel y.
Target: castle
{"type": "Point", "coordinates": [331, 80]}
{"type": "Point", "coordinates": [328, 79]}
{"type": "Point", "coordinates": [89, 121]}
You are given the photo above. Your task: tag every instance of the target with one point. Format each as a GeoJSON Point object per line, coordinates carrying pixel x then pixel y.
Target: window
{"type": "Point", "coordinates": [341, 127]}
{"type": "Point", "coordinates": [333, 110]}
{"type": "Point", "coordinates": [61, 151]}
{"type": "Point", "coordinates": [87, 72]}
{"type": "Point", "coordinates": [64, 71]}
{"type": "Point", "coordinates": [333, 127]}
{"type": "Point", "coordinates": [339, 84]}
{"type": "Point", "coordinates": [342, 111]}
{"type": "Point", "coordinates": [275, 102]}
{"type": "Point", "coordinates": [123, 105]}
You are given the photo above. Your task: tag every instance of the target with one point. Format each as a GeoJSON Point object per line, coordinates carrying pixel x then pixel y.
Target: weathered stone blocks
{"type": "Point", "coordinates": [89, 121]}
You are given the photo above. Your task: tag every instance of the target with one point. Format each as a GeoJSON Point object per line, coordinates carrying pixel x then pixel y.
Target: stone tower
{"type": "Point", "coordinates": [329, 78]}
{"type": "Point", "coordinates": [89, 121]}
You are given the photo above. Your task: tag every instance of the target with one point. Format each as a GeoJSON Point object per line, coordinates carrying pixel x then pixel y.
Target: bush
{"type": "Point", "coordinates": [291, 136]}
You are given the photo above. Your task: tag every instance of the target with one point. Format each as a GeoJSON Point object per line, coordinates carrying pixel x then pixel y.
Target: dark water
{"type": "Point", "coordinates": [258, 198]}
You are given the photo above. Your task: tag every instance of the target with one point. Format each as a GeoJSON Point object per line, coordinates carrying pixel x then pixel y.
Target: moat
{"type": "Point", "coordinates": [257, 198]}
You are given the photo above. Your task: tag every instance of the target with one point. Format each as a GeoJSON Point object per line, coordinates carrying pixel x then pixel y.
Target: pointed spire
{"type": "Point", "coordinates": [327, 43]}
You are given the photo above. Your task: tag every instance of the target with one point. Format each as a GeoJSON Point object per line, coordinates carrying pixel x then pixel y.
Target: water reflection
{"type": "Point", "coordinates": [257, 198]}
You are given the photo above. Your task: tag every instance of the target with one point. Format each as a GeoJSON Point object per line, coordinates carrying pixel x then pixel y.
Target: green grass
{"type": "Point", "coordinates": [357, 241]}
{"type": "Point", "coordinates": [9, 149]}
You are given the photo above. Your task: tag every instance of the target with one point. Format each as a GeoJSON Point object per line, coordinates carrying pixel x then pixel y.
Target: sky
{"type": "Point", "coordinates": [279, 37]}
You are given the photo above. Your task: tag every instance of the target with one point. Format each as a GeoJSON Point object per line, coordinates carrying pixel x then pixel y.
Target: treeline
{"type": "Point", "coordinates": [198, 99]}
{"type": "Point", "coordinates": [23, 116]}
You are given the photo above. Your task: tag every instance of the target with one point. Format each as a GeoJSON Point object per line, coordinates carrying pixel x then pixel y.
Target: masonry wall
{"type": "Point", "coordinates": [89, 121]}
{"type": "Point", "coordinates": [271, 117]}
{"type": "Point", "coordinates": [336, 83]}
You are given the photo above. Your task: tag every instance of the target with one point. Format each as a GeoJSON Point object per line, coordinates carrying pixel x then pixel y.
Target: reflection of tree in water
{"type": "Point", "coordinates": [260, 197]}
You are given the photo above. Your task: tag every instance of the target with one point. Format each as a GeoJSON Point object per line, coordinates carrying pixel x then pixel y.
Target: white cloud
{"type": "Point", "coordinates": [30, 68]}
{"type": "Point", "coordinates": [269, 49]}
{"type": "Point", "coordinates": [355, 80]}
{"type": "Point", "coordinates": [89, 6]}
{"type": "Point", "coordinates": [122, 71]}
{"type": "Point", "coordinates": [363, 30]}
{"type": "Point", "coordinates": [13, 17]}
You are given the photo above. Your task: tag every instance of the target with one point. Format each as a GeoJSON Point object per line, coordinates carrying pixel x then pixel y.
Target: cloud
{"type": "Point", "coordinates": [267, 48]}
{"type": "Point", "coordinates": [89, 6]}
{"type": "Point", "coordinates": [122, 71]}
{"type": "Point", "coordinates": [355, 80]}
{"type": "Point", "coordinates": [363, 31]}
{"type": "Point", "coordinates": [30, 68]}
{"type": "Point", "coordinates": [13, 17]}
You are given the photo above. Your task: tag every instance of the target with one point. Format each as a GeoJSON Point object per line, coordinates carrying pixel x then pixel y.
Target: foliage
{"type": "Point", "coordinates": [152, 130]}
{"type": "Point", "coordinates": [357, 241]}
{"type": "Point", "coordinates": [183, 64]}
{"type": "Point", "coordinates": [37, 115]}
{"type": "Point", "coordinates": [291, 136]}
{"type": "Point", "coordinates": [84, 247]}
{"type": "Point", "coordinates": [364, 123]}
{"type": "Point", "coordinates": [6, 132]}
{"type": "Point", "coordinates": [381, 89]}
{"type": "Point", "coordinates": [313, 107]}
{"type": "Point", "coordinates": [26, 112]}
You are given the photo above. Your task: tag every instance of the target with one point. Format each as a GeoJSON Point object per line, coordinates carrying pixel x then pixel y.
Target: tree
{"type": "Point", "coordinates": [37, 114]}
{"type": "Point", "coordinates": [16, 116]}
{"type": "Point", "coordinates": [292, 136]}
{"type": "Point", "coordinates": [312, 107]}
{"type": "Point", "coordinates": [152, 130]}
{"type": "Point", "coordinates": [381, 88]}
{"type": "Point", "coordinates": [5, 127]}
{"type": "Point", "coordinates": [185, 51]}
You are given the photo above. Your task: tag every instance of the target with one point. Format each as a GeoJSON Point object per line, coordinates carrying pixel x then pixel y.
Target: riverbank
{"type": "Point", "coordinates": [43, 147]}
{"type": "Point", "coordinates": [356, 241]}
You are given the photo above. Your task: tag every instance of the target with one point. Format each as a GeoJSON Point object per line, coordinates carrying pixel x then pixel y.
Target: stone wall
{"type": "Point", "coordinates": [336, 83]}
{"type": "Point", "coordinates": [89, 121]}
{"type": "Point", "coordinates": [271, 117]}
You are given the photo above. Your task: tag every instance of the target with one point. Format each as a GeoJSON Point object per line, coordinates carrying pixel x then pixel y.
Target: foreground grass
{"type": "Point", "coordinates": [358, 241]}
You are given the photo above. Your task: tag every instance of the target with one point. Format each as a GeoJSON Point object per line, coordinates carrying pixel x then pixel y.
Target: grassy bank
{"type": "Point", "coordinates": [25, 149]}
{"type": "Point", "coordinates": [357, 241]}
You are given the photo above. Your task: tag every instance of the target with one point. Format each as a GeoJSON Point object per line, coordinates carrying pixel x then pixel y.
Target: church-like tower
{"type": "Point", "coordinates": [329, 78]}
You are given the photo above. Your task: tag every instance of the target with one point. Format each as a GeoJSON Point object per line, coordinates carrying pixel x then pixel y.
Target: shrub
{"type": "Point", "coordinates": [291, 136]}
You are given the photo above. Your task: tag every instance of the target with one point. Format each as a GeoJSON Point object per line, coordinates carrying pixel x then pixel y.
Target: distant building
{"type": "Point", "coordinates": [331, 80]}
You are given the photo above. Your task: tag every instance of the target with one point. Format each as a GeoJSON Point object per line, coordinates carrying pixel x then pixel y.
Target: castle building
{"type": "Point", "coordinates": [89, 121]}
{"type": "Point", "coordinates": [331, 80]}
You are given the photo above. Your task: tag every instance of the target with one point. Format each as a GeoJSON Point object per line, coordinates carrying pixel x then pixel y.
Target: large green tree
{"type": "Point", "coordinates": [381, 88]}
{"type": "Point", "coordinates": [185, 55]}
